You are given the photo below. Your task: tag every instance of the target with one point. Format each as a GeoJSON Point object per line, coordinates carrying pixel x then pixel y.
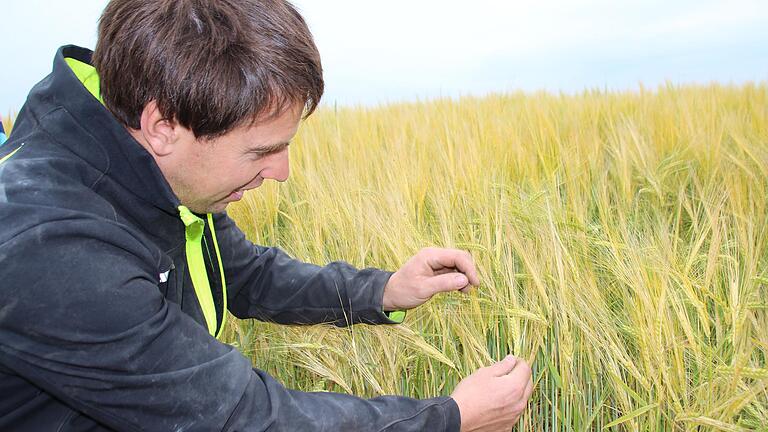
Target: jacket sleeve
{"type": "Point", "coordinates": [266, 284]}
{"type": "Point", "coordinates": [81, 318]}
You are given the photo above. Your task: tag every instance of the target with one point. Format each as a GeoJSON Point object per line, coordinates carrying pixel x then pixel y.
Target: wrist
{"type": "Point", "coordinates": [387, 305]}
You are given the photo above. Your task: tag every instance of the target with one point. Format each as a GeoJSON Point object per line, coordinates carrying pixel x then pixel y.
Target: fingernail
{"type": "Point", "coordinates": [461, 280]}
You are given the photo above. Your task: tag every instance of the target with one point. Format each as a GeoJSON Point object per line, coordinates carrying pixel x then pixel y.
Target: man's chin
{"type": "Point", "coordinates": [217, 207]}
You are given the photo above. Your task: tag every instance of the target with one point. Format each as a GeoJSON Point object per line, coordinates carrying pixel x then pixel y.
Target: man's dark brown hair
{"type": "Point", "coordinates": [212, 65]}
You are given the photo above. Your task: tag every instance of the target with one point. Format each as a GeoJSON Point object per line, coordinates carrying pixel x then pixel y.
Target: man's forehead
{"type": "Point", "coordinates": [272, 132]}
{"type": "Point", "coordinates": [274, 113]}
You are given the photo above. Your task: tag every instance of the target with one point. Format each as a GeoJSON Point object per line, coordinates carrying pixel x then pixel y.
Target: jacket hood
{"type": "Point", "coordinates": [111, 149]}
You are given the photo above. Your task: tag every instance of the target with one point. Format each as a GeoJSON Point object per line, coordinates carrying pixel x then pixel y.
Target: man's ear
{"type": "Point", "coordinates": [160, 134]}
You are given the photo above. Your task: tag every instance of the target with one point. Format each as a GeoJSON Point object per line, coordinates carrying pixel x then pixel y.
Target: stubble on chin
{"type": "Point", "coordinates": [198, 206]}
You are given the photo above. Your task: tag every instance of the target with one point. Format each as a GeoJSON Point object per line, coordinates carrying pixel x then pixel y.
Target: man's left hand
{"type": "Point", "coordinates": [427, 273]}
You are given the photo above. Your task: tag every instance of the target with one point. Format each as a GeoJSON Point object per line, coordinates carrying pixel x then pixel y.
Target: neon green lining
{"type": "Point", "coordinates": [396, 316]}
{"type": "Point", "coordinates": [8, 156]}
{"type": "Point", "coordinates": [87, 75]}
{"type": "Point", "coordinates": [194, 234]}
{"type": "Point", "coordinates": [223, 280]}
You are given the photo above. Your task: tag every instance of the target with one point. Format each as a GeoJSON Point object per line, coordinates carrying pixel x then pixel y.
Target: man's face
{"type": "Point", "coordinates": [208, 175]}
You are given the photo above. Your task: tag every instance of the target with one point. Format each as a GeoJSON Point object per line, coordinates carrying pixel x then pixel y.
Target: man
{"type": "Point", "coordinates": [118, 261]}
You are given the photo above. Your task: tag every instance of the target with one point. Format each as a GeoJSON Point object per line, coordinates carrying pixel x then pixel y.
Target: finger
{"type": "Point", "coordinates": [521, 372]}
{"type": "Point", "coordinates": [466, 289]}
{"type": "Point", "coordinates": [446, 282]}
{"type": "Point", "coordinates": [504, 366]}
{"type": "Point", "coordinates": [439, 259]}
{"type": "Point", "coordinates": [528, 389]}
{"type": "Point", "coordinates": [446, 270]}
{"type": "Point", "coordinates": [467, 286]}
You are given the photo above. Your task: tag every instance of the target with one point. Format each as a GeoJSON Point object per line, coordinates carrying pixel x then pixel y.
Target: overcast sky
{"type": "Point", "coordinates": [380, 51]}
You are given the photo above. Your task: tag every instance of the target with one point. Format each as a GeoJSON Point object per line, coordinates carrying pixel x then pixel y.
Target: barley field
{"type": "Point", "coordinates": [621, 238]}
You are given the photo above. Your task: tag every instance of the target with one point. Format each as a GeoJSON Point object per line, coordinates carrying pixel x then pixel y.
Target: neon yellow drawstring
{"type": "Point", "coordinates": [194, 234]}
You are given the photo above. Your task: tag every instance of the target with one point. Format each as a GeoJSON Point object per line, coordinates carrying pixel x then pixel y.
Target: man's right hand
{"type": "Point", "coordinates": [493, 397]}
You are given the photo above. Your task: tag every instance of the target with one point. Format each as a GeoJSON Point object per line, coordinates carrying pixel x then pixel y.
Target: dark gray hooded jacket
{"type": "Point", "coordinates": [100, 325]}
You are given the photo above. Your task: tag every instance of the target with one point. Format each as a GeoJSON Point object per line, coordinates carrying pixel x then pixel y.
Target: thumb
{"type": "Point", "coordinates": [447, 282]}
{"type": "Point", "coordinates": [504, 366]}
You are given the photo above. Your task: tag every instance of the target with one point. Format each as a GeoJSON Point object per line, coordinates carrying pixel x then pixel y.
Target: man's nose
{"type": "Point", "coordinates": [279, 169]}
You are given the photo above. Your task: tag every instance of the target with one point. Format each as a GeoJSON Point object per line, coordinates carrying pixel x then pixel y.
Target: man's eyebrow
{"type": "Point", "coordinates": [272, 148]}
